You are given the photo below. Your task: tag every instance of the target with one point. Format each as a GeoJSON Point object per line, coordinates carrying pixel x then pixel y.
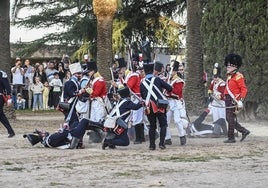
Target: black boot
{"type": "Point", "coordinates": [80, 145]}
{"type": "Point", "coordinates": [107, 143]}
{"type": "Point", "coordinates": [142, 137]}
{"type": "Point", "coordinates": [168, 142]}
{"type": "Point", "coordinates": [163, 131]}
{"type": "Point", "coordinates": [74, 143]}
{"type": "Point", "coordinates": [230, 140]}
{"type": "Point", "coordinates": [183, 140]}
{"type": "Point", "coordinates": [152, 138]}
{"type": "Point", "coordinates": [138, 133]}
{"type": "Point", "coordinates": [244, 135]}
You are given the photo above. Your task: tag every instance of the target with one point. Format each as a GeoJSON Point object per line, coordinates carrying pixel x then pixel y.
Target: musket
{"type": "Point", "coordinates": [147, 109]}
{"type": "Point", "coordinates": [130, 63]}
{"type": "Point", "coordinates": [171, 69]}
{"type": "Point", "coordinates": [112, 74]}
{"type": "Point", "coordinates": [169, 73]}
{"type": "Point", "coordinates": [136, 96]}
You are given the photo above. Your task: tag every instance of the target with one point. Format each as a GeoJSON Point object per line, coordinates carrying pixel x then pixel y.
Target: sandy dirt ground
{"type": "Point", "coordinates": [203, 162]}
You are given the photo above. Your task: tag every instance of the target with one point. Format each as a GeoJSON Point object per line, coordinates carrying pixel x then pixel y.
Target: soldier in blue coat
{"type": "Point", "coordinates": [152, 88]}
{"type": "Point", "coordinates": [71, 90]}
{"type": "Point", "coordinates": [118, 136]}
{"type": "Point", "coordinates": [5, 92]}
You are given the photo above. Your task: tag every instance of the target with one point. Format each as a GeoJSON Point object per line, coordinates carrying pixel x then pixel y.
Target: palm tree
{"type": "Point", "coordinates": [5, 58]}
{"type": "Point", "coordinates": [194, 88]}
{"type": "Point", "coordinates": [105, 11]}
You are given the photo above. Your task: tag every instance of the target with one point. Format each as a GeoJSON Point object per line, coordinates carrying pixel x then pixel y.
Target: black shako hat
{"type": "Point", "coordinates": [123, 92]}
{"type": "Point", "coordinates": [158, 66]}
{"type": "Point", "coordinates": [33, 138]}
{"type": "Point", "coordinates": [121, 63]}
{"type": "Point", "coordinates": [148, 67]}
{"type": "Point", "coordinates": [175, 65]}
{"type": "Point", "coordinates": [233, 60]}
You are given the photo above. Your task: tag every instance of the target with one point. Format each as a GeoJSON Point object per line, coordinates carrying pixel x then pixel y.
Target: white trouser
{"type": "Point", "coordinates": [84, 113]}
{"type": "Point", "coordinates": [177, 109]}
{"type": "Point", "coordinates": [137, 115]}
{"type": "Point", "coordinates": [98, 111]}
{"type": "Point", "coordinates": [218, 110]}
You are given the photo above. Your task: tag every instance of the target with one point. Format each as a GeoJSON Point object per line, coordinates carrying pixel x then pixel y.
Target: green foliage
{"type": "Point", "coordinates": [77, 20]}
{"type": "Point", "coordinates": [240, 27]}
{"type": "Point", "coordinates": [168, 33]}
{"type": "Point", "coordinates": [118, 37]}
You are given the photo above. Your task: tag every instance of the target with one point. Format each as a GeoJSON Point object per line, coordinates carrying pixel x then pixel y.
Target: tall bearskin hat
{"type": "Point", "coordinates": [233, 60]}
{"type": "Point", "coordinates": [158, 66]}
{"type": "Point", "coordinates": [216, 71]}
{"type": "Point", "coordinates": [148, 67]}
{"type": "Point", "coordinates": [123, 92]}
{"type": "Point", "coordinates": [121, 63]}
{"type": "Point", "coordinates": [91, 66]}
{"type": "Point", "coordinates": [33, 138]}
{"type": "Point", "coordinates": [175, 65]}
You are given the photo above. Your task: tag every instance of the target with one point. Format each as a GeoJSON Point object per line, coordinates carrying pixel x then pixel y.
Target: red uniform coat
{"type": "Point", "coordinates": [177, 88]}
{"type": "Point", "coordinates": [133, 82]}
{"type": "Point", "coordinates": [236, 84]}
{"type": "Point", "coordinates": [99, 88]}
{"type": "Point", "coordinates": [219, 87]}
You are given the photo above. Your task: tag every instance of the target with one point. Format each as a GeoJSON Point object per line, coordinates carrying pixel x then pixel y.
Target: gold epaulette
{"type": "Point", "coordinates": [127, 72]}
{"type": "Point", "coordinates": [238, 76]}
{"type": "Point", "coordinates": [176, 78]}
{"type": "Point", "coordinates": [96, 75]}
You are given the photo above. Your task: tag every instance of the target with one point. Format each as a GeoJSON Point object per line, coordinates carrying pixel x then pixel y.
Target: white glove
{"type": "Point", "coordinates": [240, 104]}
{"type": "Point", "coordinates": [218, 96]}
{"type": "Point", "coordinates": [89, 90]}
{"type": "Point", "coordinates": [9, 102]}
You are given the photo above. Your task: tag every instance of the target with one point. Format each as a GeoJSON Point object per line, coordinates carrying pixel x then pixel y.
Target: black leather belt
{"type": "Point", "coordinates": [173, 97]}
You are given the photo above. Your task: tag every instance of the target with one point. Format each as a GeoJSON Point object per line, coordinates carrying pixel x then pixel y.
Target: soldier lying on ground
{"type": "Point", "coordinates": [217, 129]}
{"type": "Point", "coordinates": [66, 137]}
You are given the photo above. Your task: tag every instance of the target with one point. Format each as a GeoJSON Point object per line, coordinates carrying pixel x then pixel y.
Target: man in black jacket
{"type": "Point", "coordinates": [5, 92]}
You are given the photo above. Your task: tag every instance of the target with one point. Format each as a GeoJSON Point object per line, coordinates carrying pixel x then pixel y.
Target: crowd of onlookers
{"type": "Point", "coordinates": [38, 86]}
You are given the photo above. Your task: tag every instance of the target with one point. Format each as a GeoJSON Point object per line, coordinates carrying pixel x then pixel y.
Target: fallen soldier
{"type": "Point", "coordinates": [217, 129]}
{"type": "Point", "coordinates": [66, 137]}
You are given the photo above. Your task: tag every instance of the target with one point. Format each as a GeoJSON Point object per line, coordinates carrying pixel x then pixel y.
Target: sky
{"type": "Point", "coordinates": [24, 34]}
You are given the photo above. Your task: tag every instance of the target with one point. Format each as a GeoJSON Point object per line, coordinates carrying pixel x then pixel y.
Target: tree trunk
{"type": "Point", "coordinates": [104, 10]}
{"type": "Point", "coordinates": [5, 47]}
{"type": "Point", "coordinates": [104, 46]}
{"type": "Point", "coordinates": [194, 93]}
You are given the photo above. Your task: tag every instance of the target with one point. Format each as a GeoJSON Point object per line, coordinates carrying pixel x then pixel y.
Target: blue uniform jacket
{"type": "Point", "coordinates": [71, 88]}
{"type": "Point", "coordinates": [159, 83]}
{"type": "Point", "coordinates": [128, 105]}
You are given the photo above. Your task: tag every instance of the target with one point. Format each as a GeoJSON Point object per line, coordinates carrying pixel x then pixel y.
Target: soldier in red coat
{"type": "Point", "coordinates": [176, 106]}
{"type": "Point", "coordinates": [235, 93]}
{"type": "Point", "coordinates": [216, 93]}
{"type": "Point", "coordinates": [100, 104]}
{"type": "Point", "coordinates": [133, 81]}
